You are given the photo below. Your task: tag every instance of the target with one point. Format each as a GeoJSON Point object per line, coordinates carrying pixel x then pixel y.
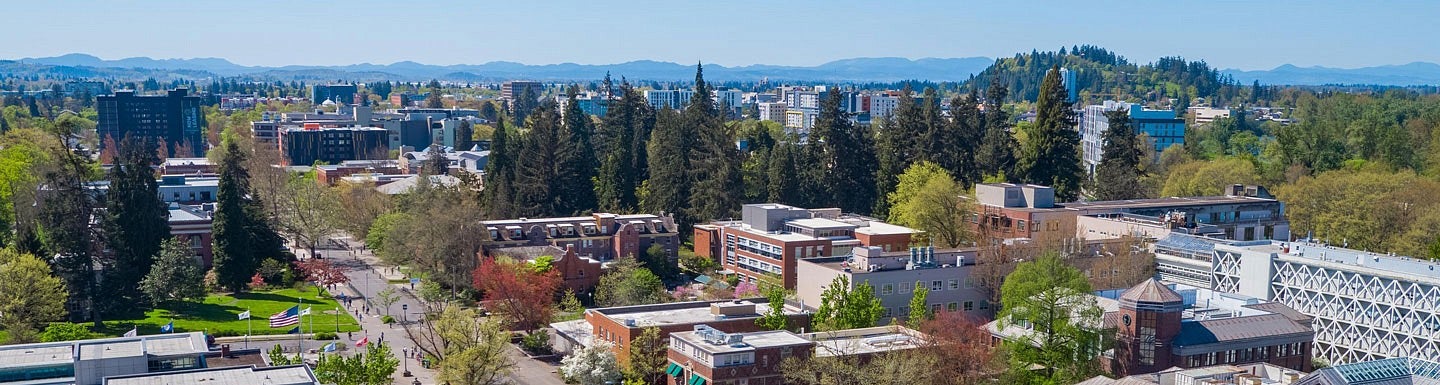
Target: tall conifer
{"type": "Point", "coordinates": [1051, 154]}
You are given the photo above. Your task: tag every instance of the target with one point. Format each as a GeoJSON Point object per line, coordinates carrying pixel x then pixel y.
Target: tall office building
{"type": "Point", "coordinates": [333, 145]}
{"type": "Point", "coordinates": [514, 89]}
{"type": "Point", "coordinates": [173, 118]}
{"type": "Point", "coordinates": [1161, 127]}
{"type": "Point", "coordinates": [339, 93]}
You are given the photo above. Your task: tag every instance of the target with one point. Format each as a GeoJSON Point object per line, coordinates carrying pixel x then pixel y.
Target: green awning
{"type": "Point", "coordinates": [695, 379]}
{"type": "Point", "coordinates": [674, 370]}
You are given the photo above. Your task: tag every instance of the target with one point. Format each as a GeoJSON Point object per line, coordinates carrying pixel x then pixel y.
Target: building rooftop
{"type": "Point", "coordinates": [1391, 371]}
{"type": "Point", "coordinates": [53, 353]}
{"type": "Point", "coordinates": [237, 375]}
{"type": "Point", "coordinates": [1382, 264]}
{"type": "Point", "coordinates": [1150, 291]}
{"type": "Point", "coordinates": [820, 223]}
{"type": "Point", "coordinates": [717, 342]}
{"type": "Point", "coordinates": [187, 213]}
{"type": "Point", "coordinates": [697, 312]}
{"type": "Point", "coordinates": [864, 341]}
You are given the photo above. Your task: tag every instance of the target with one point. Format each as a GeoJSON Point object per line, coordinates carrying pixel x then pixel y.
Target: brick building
{"type": "Point", "coordinates": [620, 325]}
{"type": "Point", "coordinates": [600, 236]}
{"type": "Point", "coordinates": [768, 240]}
{"type": "Point", "coordinates": [192, 225]}
{"type": "Point", "coordinates": [577, 273]}
{"type": "Point", "coordinates": [707, 356]}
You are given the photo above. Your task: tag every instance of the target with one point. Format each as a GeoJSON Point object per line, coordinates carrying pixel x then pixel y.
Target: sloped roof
{"type": "Point", "coordinates": [1235, 329]}
{"type": "Point", "coordinates": [1151, 291]}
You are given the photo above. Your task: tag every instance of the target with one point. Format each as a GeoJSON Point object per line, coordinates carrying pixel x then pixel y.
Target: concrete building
{"type": "Point", "coordinates": [590, 102]}
{"type": "Point", "coordinates": [618, 326]}
{"type": "Point", "coordinates": [1366, 306]}
{"type": "Point", "coordinates": [173, 118]}
{"type": "Point", "coordinates": [772, 111]}
{"type": "Point", "coordinates": [330, 174]}
{"type": "Point", "coordinates": [337, 93]}
{"type": "Point", "coordinates": [1205, 115]}
{"type": "Point", "coordinates": [333, 145]}
{"type": "Point", "coordinates": [709, 356]}
{"type": "Point", "coordinates": [514, 89]}
{"type": "Point", "coordinates": [1161, 126]}
{"type": "Point", "coordinates": [188, 190]}
{"type": "Point", "coordinates": [768, 240]}
{"type": "Point", "coordinates": [895, 275]}
{"type": "Point", "coordinates": [1029, 211]}
{"type": "Point", "coordinates": [883, 105]}
{"type": "Point", "coordinates": [679, 99]}
{"type": "Point", "coordinates": [1158, 326]}
{"type": "Point", "coordinates": [235, 375]}
{"type": "Point", "coordinates": [90, 362]}
{"type": "Point", "coordinates": [192, 226]}
{"type": "Point", "coordinates": [600, 236]}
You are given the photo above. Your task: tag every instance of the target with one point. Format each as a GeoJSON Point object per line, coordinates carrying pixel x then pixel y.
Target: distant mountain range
{"type": "Point", "coordinates": [847, 70]}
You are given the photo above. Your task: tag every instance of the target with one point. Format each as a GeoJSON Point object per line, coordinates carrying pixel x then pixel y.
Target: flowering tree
{"type": "Point", "coordinates": [321, 272]}
{"type": "Point", "coordinates": [746, 290]}
{"type": "Point", "coordinates": [594, 364]}
{"type": "Point", "coordinates": [525, 296]}
{"type": "Point", "coordinates": [962, 346]}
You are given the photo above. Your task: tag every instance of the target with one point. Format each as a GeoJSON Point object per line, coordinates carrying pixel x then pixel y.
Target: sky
{"type": "Point", "coordinates": [1230, 34]}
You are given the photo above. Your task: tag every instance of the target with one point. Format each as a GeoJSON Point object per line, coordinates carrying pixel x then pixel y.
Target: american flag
{"type": "Point", "coordinates": [288, 317]}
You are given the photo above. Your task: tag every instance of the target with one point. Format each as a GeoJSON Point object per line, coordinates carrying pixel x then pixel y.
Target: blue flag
{"type": "Point", "coordinates": [296, 330]}
{"type": "Point", "coordinates": [168, 328]}
{"type": "Point", "coordinates": [329, 347]}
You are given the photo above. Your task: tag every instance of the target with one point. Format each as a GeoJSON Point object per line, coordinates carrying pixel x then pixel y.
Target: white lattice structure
{"type": "Point", "coordinates": [1365, 306]}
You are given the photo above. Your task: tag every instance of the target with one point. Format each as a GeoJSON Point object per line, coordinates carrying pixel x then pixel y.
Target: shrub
{"type": "Point", "coordinates": [65, 331]}
{"type": "Point", "coordinates": [387, 320]}
{"type": "Point", "coordinates": [536, 342]}
{"type": "Point", "coordinates": [325, 336]}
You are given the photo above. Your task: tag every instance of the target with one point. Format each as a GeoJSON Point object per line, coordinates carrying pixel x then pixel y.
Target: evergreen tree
{"type": "Point", "coordinates": [967, 135]}
{"type": "Point", "coordinates": [64, 226]}
{"type": "Point", "coordinates": [847, 158]}
{"type": "Point", "coordinates": [897, 145]}
{"type": "Point", "coordinates": [623, 143]}
{"type": "Point", "coordinates": [668, 189]}
{"type": "Point", "coordinates": [135, 221]}
{"type": "Point", "coordinates": [1117, 177]}
{"type": "Point", "coordinates": [500, 174]}
{"type": "Point", "coordinates": [714, 161]}
{"type": "Point", "coordinates": [577, 160]}
{"type": "Point", "coordinates": [465, 135]}
{"type": "Point", "coordinates": [436, 163]}
{"type": "Point", "coordinates": [1051, 155]}
{"type": "Point", "coordinates": [996, 155]}
{"type": "Point", "coordinates": [537, 179]}
{"type": "Point", "coordinates": [937, 141]}
{"type": "Point", "coordinates": [241, 233]}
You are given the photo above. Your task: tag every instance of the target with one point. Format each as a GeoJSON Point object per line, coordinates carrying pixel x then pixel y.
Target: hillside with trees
{"type": "Point", "coordinates": [1101, 74]}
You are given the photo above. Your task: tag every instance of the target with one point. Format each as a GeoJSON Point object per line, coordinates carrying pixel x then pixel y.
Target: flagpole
{"type": "Point", "coordinates": [299, 337]}
{"type": "Point", "coordinates": [248, 316]}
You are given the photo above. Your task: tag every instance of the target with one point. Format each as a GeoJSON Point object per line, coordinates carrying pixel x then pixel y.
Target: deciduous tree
{"type": "Point", "coordinates": [29, 295]}
{"type": "Point", "coordinates": [1051, 301]}
{"type": "Point", "coordinates": [525, 296]}
{"type": "Point", "coordinates": [176, 276]}
{"type": "Point", "coordinates": [593, 364]}
{"type": "Point", "coordinates": [627, 284]}
{"type": "Point", "coordinates": [929, 199]}
{"type": "Point", "coordinates": [843, 307]}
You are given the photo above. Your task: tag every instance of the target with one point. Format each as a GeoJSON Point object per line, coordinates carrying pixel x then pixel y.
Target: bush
{"type": "Point", "coordinates": [225, 333]}
{"type": "Point", "coordinates": [65, 331]}
{"type": "Point", "coordinates": [536, 342]}
{"type": "Point", "coordinates": [325, 336]}
{"type": "Point", "coordinates": [387, 320]}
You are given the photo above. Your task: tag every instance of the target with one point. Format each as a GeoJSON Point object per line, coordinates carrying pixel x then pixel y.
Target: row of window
{"type": "Point", "coordinates": [1246, 355]}
{"type": "Point", "coordinates": [936, 308]}
{"type": "Point", "coordinates": [935, 285]}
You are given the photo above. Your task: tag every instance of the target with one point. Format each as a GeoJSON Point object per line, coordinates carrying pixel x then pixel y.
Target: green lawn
{"type": "Point", "coordinates": [219, 314]}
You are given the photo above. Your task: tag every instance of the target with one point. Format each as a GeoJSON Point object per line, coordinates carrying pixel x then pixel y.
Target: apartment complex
{"type": "Point", "coordinates": [679, 99]}
{"type": "Point", "coordinates": [173, 119]}
{"type": "Point", "coordinates": [769, 238]}
{"type": "Point", "coordinates": [333, 145]}
{"type": "Point", "coordinates": [772, 111]}
{"type": "Point", "coordinates": [514, 89]}
{"type": "Point", "coordinates": [1162, 128]}
{"type": "Point", "coordinates": [947, 274]}
{"type": "Point", "coordinates": [1158, 326]}
{"type": "Point", "coordinates": [1366, 306]}
{"type": "Point", "coordinates": [600, 236]}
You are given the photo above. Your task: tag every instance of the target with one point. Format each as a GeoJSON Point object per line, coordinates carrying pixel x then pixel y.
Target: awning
{"type": "Point", "coordinates": [674, 370]}
{"type": "Point", "coordinates": [695, 379]}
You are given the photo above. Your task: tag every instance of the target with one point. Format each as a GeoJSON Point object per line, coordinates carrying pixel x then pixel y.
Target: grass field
{"type": "Point", "coordinates": [219, 314]}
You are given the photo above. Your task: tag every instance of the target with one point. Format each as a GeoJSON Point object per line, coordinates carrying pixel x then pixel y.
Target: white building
{"type": "Point", "coordinates": [1205, 115]}
{"type": "Point", "coordinates": [1366, 306]}
{"type": "Point", "coordinates": [678, 99]}
{"type": "Point", "coordinates": [882, 106]}
{"type": "Point", "coordinates": [772, 111]}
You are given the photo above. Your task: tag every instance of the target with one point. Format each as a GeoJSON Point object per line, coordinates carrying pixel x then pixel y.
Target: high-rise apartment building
{"type": "Point", "coordinates": [1161, 128]}
{"type": "Point", "coordinates": [338, 93]}
{"type": "Point", "coordinates": [333, 145]}
{"type": "Point", "coordinates": [173, 119]}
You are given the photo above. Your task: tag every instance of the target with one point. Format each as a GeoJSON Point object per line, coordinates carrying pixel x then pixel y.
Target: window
{"type": "Point", "coordinates": [935, 309]}
{"type": "Point", "coordinates": [889, 311]}
{"type": "Point", "coordinates": [937, 285]}
{"type": "Point", "coordinates": [904, 288]}
{"type": "Point", "coordinates": [1230, 356]}
{"type": "Point", "coordinates": [904, 310]}
{"type": "Point", "coordinates": [952, 306]}
{"type": "Point", "coordinates": [887, 289]}
{"type": "Point", "coordinates": [969, 305]}
{"type": "Point", "coordinates": [954, 284]}
{"type": "Point", "coordinates": [969, 284]}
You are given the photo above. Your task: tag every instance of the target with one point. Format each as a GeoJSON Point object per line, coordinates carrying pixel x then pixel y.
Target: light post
{"type": "Point", "coordinates": [403, 309]}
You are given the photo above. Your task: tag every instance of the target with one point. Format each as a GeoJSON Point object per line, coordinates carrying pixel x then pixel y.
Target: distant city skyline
{"type": "Point", "coordinates": [1245, 36]}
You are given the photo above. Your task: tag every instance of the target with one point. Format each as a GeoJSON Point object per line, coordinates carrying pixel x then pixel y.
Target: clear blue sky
{"type": "Point", "coordinates": [1245, 35]}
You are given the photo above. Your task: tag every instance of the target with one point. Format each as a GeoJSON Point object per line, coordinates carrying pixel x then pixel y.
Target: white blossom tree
{"type": "Point", "coordinates": [594, 364]}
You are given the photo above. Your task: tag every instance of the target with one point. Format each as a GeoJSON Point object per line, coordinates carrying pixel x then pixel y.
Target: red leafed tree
{"type": "Point", "coordinates": [523, 295]}
{"type": "Point", "coordinates": [962, 346]}
{"type": "Point", "coordinates": [321, 271]}
{"type": "Point", "coordinates": [257, 282]}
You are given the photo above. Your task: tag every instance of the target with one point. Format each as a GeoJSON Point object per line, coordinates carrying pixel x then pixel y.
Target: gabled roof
{"type": "Point", "coordinates": [1151, 291]}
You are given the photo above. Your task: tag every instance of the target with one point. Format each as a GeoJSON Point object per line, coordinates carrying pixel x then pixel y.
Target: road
{"type": "Point", "coordinates": [368, 277]}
